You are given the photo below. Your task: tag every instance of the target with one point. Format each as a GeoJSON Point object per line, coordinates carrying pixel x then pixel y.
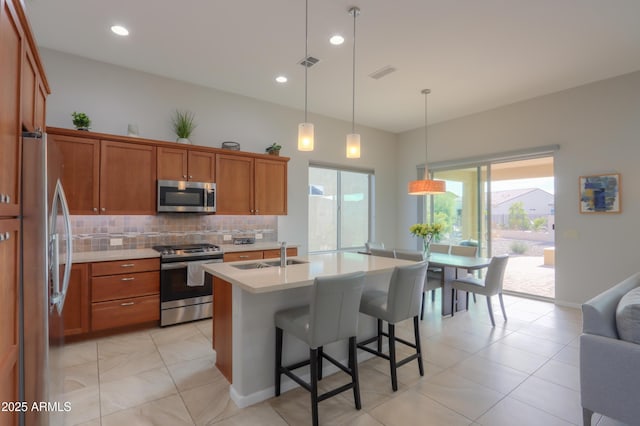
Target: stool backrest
{"type": "Point", "coordinates": [495, 274]}
{"type": "Point", "coordinates": [335, 307]}
{"type": "Point", "coordinates": [382, 252]}
{"type": "Point", "coordinates": [373, 244]}
{"type": "Point", "coordinates": [405, 291]}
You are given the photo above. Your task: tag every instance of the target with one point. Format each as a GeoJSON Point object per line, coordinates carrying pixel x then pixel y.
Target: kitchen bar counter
{"type": "Point", "coordinates": [245, 302]}
{"type": "Point", "coordinates": [234, 248]}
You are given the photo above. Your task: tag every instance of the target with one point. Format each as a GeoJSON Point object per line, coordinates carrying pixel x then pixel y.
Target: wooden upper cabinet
{"type": "Point", "coordinates": [183, 164]}
{"type": "Point", "coordinates": [234, 184]}
{"type": "Point", "coordinates": [127, 178]}
{"type": "Point", "coordinates": [270, 178]}
{"type": "Point", "coordinates": [202, 166]}
{"type": "Point", "coordinates": [11, 40]}
{"type": "Point", "coordinates": [172, 163]}
{"type": "Point", "coordinates": [80, 172]}
{"type": "Point", "coordinates": [29, 89]}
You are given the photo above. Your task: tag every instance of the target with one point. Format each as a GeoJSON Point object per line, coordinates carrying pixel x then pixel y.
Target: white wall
{"type": "Point", "coordinates": [598, 129]}
{"type": "Point", "coordinates": [114, 96]}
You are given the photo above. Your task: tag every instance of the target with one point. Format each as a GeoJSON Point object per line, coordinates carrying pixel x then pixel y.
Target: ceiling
{"type": "Point", "coordinates": [473, 55]}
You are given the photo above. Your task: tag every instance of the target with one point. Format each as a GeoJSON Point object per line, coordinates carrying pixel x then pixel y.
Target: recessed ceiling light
{"type": "Point", "coordinates": [120, 30]}
{"type": "Point", "coordinates": [336, 40]}
{"type": "Point", "coordinates": [281, 79]}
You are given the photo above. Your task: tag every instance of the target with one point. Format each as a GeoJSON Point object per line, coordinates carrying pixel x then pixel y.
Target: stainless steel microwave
{"type": "Point", "coordinates": [180, 196]}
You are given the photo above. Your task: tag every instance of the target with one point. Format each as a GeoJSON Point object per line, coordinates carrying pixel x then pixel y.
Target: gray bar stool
{"type": "Point", "coordinates": [401, 302]}
{"type": "Point", "coordinates": [430, 284]}
{"type": "Point", "coordinates": [331, 316]}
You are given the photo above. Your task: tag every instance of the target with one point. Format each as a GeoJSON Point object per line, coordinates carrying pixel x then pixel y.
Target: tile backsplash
{"type": "Point", "coordinates": [91, 233]}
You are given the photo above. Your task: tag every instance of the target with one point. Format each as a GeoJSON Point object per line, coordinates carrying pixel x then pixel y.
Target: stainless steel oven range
{"type": "Point", "coordinates": [185, 295]}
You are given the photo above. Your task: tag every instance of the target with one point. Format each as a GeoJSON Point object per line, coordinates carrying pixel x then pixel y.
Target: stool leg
{"type": "Point", "coordinates": [433, 296]}
{"type": "Point", "coordinates": [353, 366]}
{"type": "Point", "coordinates": [278, 359]}
{"type": "Point", "coordinates": [453, 301]}
{"type": "Point", "coordinates": [392, 357]}
{"type": "Point", "coordinates": [416, 331]}
{"type": "Point", "coordinates": [313, 356]}
{"type": "Point", "coordinates": [424, 296]}
{"type": "Point", "coordinates": [379, 335]}
{"type": "Point", "coordinates": [320, 363]}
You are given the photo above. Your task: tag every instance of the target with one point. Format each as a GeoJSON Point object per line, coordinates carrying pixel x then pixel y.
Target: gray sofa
{"type": "Point", "coordinates": [609, 366]}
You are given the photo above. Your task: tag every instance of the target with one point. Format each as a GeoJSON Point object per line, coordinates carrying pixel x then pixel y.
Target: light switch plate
{"type": "Point", "coordinates": [258, 236]}
{"type": "Point", "coordinates": [227, 238]}
{"type": "Point", "coordinates": [115, 241]}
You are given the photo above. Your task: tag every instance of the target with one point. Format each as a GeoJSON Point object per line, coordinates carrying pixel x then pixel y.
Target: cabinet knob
{"type": "Point", "coordinates": [190, 177]}
{"type": "Point", "coordinates": [184, 176]}
{"type": "Point", "coordinates": [95, 209]}
{"type": "Point", "coordinates": [1, 236]}
{"type": "Point", "coordinates": [103, 209]}
{"type": "Point", "coordinates": [7, 199]}
{"type": "Point", "coordinates": [257, 211]}
{"type": "Point", "coordinates": [7, 235]}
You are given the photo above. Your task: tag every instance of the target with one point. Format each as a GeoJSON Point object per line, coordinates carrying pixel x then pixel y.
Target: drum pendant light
{"type": "Point", "coordinates": [426, 186]}
{"type": "Point", "coordinates": [353, 139]}
{"type": "Point", "coordinates": [305, 130]}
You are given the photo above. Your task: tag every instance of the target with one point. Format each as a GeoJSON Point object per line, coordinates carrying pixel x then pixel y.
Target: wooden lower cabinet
{"type": "Point", "coordinates": [243, 255]}
{"type": "Point", "coordinates": [271, 254]}
{"type": "Point", "coordinates": [77, 306]}
{"type": "Point", "coordinates": [223, 327]}
{"type": "Point", "coordinates": [123, 312]}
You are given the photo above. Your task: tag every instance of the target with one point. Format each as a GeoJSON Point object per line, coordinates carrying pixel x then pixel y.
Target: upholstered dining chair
{"type": "Point", "coordinates": [434, 273]}
{"type": "Point", "coordinates": [383, 252]}
{"type": "Point", "coordinates": [490, 286]}
{"type": "Point", "coordinates": [332, 316]}
{"type": "Point", "coordinates": [468, 251]}
{"type": "Point", "coordinates": [373, 244]}
{"type": "Point", "coordinates": [430, 284]}
{"type": "Point", "coordinates": [400, 302]}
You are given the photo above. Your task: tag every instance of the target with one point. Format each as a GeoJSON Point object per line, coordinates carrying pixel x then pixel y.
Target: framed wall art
{"type": "Point", "coordinates": [600, 194]}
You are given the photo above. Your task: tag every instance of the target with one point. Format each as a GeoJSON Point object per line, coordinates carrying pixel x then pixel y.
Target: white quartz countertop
{"type": "Point", "coordinates": [234, 248]}
{"type": "Point", "coordinates": [109, 255]}
{"type": "Point", "coordinates": [264, 280]}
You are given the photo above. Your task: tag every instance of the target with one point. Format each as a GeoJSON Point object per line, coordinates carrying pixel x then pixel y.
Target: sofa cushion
{"type": "Point", "coordinates": [628, 316]}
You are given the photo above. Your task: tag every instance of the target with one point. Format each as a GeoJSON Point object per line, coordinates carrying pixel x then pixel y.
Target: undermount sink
{"type": "Point", "coordinates": [269, 264]}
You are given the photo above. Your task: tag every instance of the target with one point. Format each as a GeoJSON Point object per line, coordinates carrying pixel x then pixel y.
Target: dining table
{"type": "Point", "coordinates": [450, 264]}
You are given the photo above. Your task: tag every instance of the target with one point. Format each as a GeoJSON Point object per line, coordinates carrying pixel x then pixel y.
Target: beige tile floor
{"type": "Point", "coordinates": [522, 372]}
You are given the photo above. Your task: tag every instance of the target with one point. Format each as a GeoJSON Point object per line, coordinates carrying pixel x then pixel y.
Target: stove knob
{"type": "Point", "coordinates": [165, 251]}
{"type": "Point", "coordinates": [171, 251]}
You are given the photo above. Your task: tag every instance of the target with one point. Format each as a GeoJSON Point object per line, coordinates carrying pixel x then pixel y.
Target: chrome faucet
{"type": "Point", "coordinates": [283, 254]}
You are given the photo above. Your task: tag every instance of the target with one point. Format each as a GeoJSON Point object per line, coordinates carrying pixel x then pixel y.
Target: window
{"type": "Point", "coordinates": [339, 208]}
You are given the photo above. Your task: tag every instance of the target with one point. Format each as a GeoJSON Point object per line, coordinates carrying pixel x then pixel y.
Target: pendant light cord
{"type": "Point", "coordinates": [306, 55]}
{"type": "Point", "coordinates": [354, 12]}
{"type": "Point", "coordinates": [426, 139]}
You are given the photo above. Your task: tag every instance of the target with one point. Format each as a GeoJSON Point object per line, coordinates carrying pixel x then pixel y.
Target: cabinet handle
{"type": "Point", "coordinates": [257, 211]}
{"type": "Point", "coordinates": [184, 176]}
{"type": "Point", "coordinates": [127, 279]}
{"type": "Point", "coordinates": [243, 257]}
{"type": "Point", "coordinates": [127, 303]}
{"type": "Point", "coordinates": [190, 177]}
{"type": "Point", "coordinates": [103, 209]}
{"type": "Point", "coordinates": [2, 197]}
{"type": "Point", "coordinates": [1, 237]}
{"type": "Point", "coordinates": [127, 265]}
{"type": "Point", "coordinates": [95, 209]}
{"type": "Point", "coordinates": [7, 236]}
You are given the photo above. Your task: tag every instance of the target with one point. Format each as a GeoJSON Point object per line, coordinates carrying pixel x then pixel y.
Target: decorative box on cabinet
{"type": "Point", "coordinates": [124, 293]}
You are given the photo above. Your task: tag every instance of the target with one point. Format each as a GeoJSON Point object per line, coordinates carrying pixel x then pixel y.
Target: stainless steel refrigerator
{"type": "Point", "coordinates": [46, 268]}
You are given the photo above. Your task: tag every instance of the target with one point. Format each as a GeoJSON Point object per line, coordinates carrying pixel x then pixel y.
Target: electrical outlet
{"type": "Point", "coordinates": [115, 241]}
{"type": "Point", "coordinates": [227, 238]}
{"type": "Point", "coordinates": [258, 236]}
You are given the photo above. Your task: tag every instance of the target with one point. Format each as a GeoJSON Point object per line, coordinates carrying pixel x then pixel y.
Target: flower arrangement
{"type": "Point", "coordinates": [428, 232]}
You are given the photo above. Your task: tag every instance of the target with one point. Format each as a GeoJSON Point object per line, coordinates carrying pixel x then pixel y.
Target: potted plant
{"type": "Point", "coordinates": [81, 121]}
{"type": "Point", "coordinates": [274, 149]}
{"type": "Point", "coordinates": [183, 125]}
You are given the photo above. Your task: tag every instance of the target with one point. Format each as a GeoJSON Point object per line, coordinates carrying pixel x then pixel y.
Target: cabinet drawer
{"type": "Point", "coordinates": [124, 266]}
{"type": "Point", "coordinates": [119, 313]}
{"type": "Point", "coordinates": [270, 254]}
{"type": "Point", "coordinates": [112, 287]}
{"type": "Point", "coordinates": [243, 255]}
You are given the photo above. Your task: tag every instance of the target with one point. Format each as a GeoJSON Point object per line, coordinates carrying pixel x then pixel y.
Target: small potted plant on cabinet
{"type": "Point", "coordinates": [81, 121]}
{"type": "Point", "coordinates": [274, 149]}
{"type": "Point", "coordinates": [183, 125]}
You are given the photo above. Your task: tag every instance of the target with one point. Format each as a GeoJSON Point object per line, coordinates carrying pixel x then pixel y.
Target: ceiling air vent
{"type": "Point", "coordinates": [309, 61]}
{"type": "Point", "coordinates": [377, 75]}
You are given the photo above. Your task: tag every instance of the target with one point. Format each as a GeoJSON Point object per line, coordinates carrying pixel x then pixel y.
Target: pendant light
{"type": "Point", "coordinates": [305, 130]}
{"type": "Point", "coordinates": [426, 186]}
{"type": "Point", "coordinates": [353, 139]}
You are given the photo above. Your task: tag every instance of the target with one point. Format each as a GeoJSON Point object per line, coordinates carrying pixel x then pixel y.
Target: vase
{"type": "Point", "coordinates": [426, 248]}
{"type": "Point", "coordinates": [184, 141]}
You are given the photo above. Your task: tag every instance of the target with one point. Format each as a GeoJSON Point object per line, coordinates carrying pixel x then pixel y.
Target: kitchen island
{"type": "Point", "coordinates": [247, 294]}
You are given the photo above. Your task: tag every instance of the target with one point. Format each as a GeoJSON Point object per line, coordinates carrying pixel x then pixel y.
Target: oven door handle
{"type": "Point", "coordinates": [176, 265]}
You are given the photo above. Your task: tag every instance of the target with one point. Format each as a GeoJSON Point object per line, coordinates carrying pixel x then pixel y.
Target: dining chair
{"type": "Point", "coordinates": [400, 302]}
{"type": "Point", "coordinates": [430, 284]}
{"type": "Point", "coordinates": [440, 248]}
{"type": "Point", "coordinates": [373, 244]}
{"type": "Point", "coordinates": [468, 251]}
{"type": "Point", "coordinates": [489, 286]}
{"type": "Point", "coordinates": [383, 252]}
{"type": "Point", "coordinates": [332, 316]}
{"type": "Point", "coordinates": [434, 273]}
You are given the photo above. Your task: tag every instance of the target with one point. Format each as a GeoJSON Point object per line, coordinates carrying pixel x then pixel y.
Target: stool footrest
{"type": "Point", "coordinates": [335, 391]}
